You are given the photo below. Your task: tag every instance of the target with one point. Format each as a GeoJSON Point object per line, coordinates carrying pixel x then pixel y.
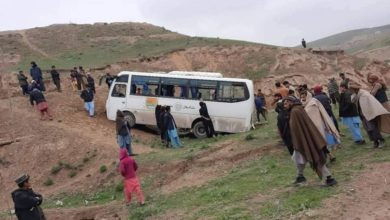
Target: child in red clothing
{"type": "Point", "coordinates": [127, 168]}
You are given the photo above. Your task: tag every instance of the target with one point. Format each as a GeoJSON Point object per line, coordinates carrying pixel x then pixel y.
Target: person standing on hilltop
{"type": "Point", "coordinates": [333, 90]}
{"type": "Point", "coordinates": [378, 90]}
{"type": "Point", "coordinates": [307, 141]}
{"type": "Point", "coordinates": [303, 43]}
{"type": "Point", "coordinates": [55, 75]}
{"type": "Point", "coordinates": [128, 168]}
{"type": "Point", "coordinates": [281, 89]}
{"type": "Point", "coordinates": [27, 202]}
{"type": "Point", "coordinates": [375, 117]}
{"type": "Point", "coordinates": [23, 82]}
{"type": "Point", "coordinates": [36, 75]}
{"type": "Point", "coordinates": [91, 82]}
{"type": "Point", "coordinates": [87, 96]}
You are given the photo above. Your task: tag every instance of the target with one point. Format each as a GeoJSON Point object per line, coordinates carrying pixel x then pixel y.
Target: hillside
{"type": "Point", "coordinates": [67, 45]}
{"type": "Point", "coordinates": [367, 42]}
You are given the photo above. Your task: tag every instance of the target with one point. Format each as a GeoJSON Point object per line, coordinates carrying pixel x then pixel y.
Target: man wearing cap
{"type": "Point", "coordinates": [27, 202]}
{"type": "Point", "coordinates": [307, 141]}
{"type": "Point", "coordinates": [375, 117]}
{"type": "Point", "coordinates": [326, 102]}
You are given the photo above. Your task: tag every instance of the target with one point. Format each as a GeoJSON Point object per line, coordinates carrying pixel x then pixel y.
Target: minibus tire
{"type": "Point", "coordinates": [199, 130]}
{"type": "Point", "coordinates": [130, 118]}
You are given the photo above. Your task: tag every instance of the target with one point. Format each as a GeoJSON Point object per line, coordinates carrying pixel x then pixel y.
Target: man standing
{"type": "Point", "coordinates": [36, 75]}
{"type": "Point", "coordinates": [333, 90]}
{"type": "Point", "coordinates": [307, 142]}
{"type": "Point", "coordinates": [23, 82]}
{"type": "Point", "coordinates": [55, 75]}
{"type": "Point", "coordinates": [27, 202]}
{"type": "Point", "coordinates": [260, 107]}
{"type": "Point", "coordinates": [206, 119]}
{"type": "Point", "coordinates": [349, 115]}
{"type": "Point", "coordinates": [87, 96]}
{"type": "Point", "coordinates": [303, 43]}
{"type": "Point", "coordinates": [326, 102]}
{"type": "Point", "coordinates": [290, 88]}
{"type": "Point", "coordinates": [344, 80]}
{"type": "Point", "coordinates": [91, 82]}
{"type": "Point", "coordinates": [281, 90]}
{"type": "Point", "coordinates": [374, 116]}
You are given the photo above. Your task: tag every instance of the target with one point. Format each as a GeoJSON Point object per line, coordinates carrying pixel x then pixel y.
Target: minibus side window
{"type": "Point", "coordinates": [119, 90]}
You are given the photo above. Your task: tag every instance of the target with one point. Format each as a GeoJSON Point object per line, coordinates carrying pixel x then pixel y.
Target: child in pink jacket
{"type": "Point", "coordinates": [127, 168]}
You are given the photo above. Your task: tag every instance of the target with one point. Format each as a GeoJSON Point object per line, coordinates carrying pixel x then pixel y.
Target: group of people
{"type": "Point", "coordinates": [167, 126]}
{"type": "Point", "coordinates": [36, 88]}
{"type": "Point", "coordinates": [309, 128]}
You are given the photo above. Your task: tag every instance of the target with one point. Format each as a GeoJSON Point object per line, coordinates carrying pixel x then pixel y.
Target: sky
{"type": "Point", "coordinates": [277, 22]}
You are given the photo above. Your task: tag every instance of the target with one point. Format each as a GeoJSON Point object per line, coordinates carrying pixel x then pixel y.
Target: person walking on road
{"type": "Point", "coordinates": [27, 202]}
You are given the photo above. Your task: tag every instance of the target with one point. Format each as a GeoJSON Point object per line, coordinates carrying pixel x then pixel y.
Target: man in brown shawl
{"type": "Point", "coordinates": [375, 117]}
{"type": "Point", "coordinates": [307, 141]}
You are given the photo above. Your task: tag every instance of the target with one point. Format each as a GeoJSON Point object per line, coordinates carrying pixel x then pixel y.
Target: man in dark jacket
{"type": "Point", "coordinates": [326, 102]}
{"type": "Point", "coordinates": [260, 106]}
{"type": "Point", "coordinates": [79, 79]}
{"type": "Point", "coordinates": [37, 96]}
{"type": "Point", "coordinates": [206, 119]}
{"type": "Point", "coordinates": [91, 82]}
{"type": "Point", "coordinates": [23, 82]}
{"type": "Point", "coordinates": [27, 202]}
{"type": "Point", "coordinates": [36, 75]}
{"type": "Point", "coordinates": [349, 115]}
{"type": "Point", "coordinates": [55, 75]}
{"type": "Point", "coordinates": [87, 96]}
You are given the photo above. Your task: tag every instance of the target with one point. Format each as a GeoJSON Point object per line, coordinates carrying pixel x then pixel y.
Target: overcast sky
{"type": "Point", "coordinates": [278, 22]}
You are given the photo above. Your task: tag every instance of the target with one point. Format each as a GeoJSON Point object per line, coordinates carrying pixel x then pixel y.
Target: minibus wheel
{"type": "Point", "coordinates": [130, 118]}
{"type": "Point", "coordinates": [199, 130]}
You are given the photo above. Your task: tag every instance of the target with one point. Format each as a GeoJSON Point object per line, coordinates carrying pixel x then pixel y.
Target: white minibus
{"type": "Point", "coordinates": [230, 101]}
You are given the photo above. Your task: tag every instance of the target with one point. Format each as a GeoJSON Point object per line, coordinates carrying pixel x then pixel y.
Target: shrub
{"type": "Point", "coordinates": [250, 137]}
{"type": "Point", "coordinates": [48, 182]}
{"type": "Point", "coordinates": [103, 168]}
{"type": "Point", "coordinates": [85, 159]}
{"type": "Point", "coordinates": [119, 187]}
{"type": "Point", "coordinates": [72, 173]}
{"type": "Point", "coordinates": [56, 169]}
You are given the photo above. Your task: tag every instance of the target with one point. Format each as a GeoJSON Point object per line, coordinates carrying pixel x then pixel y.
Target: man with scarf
{"type": "Point", "coordinates": [375, 117]}
{"type": "Point", "coordinates": [378, 90]}
{"type": "Point", "coordinates": [308, 143]}
{"type": "Point", "coordinates": [322, 121]}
